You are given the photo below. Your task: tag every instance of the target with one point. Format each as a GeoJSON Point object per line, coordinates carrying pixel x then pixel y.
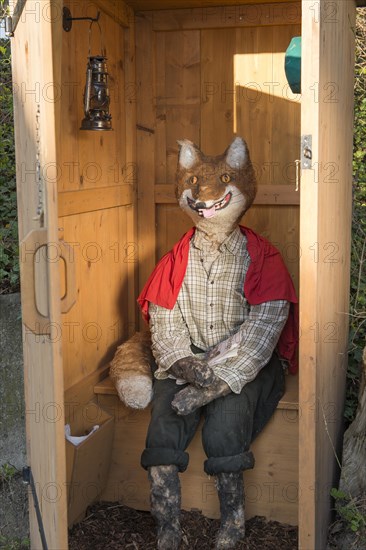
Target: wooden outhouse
{"type": "Point", "coordinates": [97, 209]}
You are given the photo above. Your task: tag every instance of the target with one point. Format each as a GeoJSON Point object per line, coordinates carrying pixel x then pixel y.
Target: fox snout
{"type": "Point", "coordinates": [199, 205]}
{"type": "Point", "coordinates": [206, 193]}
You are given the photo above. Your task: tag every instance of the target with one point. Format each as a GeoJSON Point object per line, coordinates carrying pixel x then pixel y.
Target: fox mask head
{"type": "Point", "coordinates": [215, 191]}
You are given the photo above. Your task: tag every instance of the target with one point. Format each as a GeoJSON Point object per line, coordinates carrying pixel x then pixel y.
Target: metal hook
{"type": "Point", "coordinates": [67, 19]}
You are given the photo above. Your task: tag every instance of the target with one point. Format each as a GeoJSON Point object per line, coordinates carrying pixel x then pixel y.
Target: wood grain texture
{"type": "Point", "coordinates": [146, 150]}
{"type": "Point", "coordinates": [177, 97]}
{"type": "Point", "coordinates": [37, 40]}
{"type": "Point", "coordinates": [98, 321]}
{"type": "Point", "coordinates": [89, 200]}
{"type": "Point", "coordinates": [90, 159]}
{"type": "Point", "coordinates": [97, 198]}
{"type": "Point", "coordinates": [243, 16]}
{"type": "Point", "coordinates": [326, 198]}
{"type": "Point", "coordinates": [245, 91]}
{"type": "Point", "coordinates": [131, 163]}
{"type": "Point", "coordinates": [118, 10]}
{"type": "Point", "coordinates": [218, 49]}
{"type": "Point", "coordinates": [143, 5]}
{"type": "Point", "coordinates": [280, 225]}
{"type": "Point", "coordinates": [83, 391]}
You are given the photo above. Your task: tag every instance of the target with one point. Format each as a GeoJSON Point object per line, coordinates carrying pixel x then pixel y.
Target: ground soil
{"type": "Point", "coordinates": [14, 525]}
{"type": "Point", "coordinates": [114, 526]}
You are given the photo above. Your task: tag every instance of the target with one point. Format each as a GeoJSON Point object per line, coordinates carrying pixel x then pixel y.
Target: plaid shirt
{"type": "Point", "coordinates": [211, 307]}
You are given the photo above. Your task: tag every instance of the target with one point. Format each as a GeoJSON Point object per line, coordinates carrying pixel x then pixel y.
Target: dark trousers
{"type": "Point", "coordinates": [231, 423]}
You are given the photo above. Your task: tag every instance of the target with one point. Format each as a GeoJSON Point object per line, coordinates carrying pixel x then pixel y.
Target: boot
{"type": "Point", "coordinates": [230, 488]}
{"type": "Point", "coordinates": [165, 502]}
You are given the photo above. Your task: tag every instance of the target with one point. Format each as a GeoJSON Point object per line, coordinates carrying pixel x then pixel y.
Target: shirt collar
{"type": "Point", "coordinates": [234, 243]}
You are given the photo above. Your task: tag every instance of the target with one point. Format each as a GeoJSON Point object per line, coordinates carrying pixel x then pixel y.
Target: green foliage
{"type": "Point", "coordinates": [7, 543]}
{"type": "Point", "coordinates": [7, 472]}
{"type": "Point", "coordinates": [351, 512]}
{"type": "Point", "coordinates": [357, 336]}
{"type": "Point", "coordinates": [9, 249]}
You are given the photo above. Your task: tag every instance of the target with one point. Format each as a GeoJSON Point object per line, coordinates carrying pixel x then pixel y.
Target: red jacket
{"type": "Point", "coordinates": [267, 279]}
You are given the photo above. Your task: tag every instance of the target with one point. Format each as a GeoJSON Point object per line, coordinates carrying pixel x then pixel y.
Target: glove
{"type": "Point", "coordinates": [190, 398]}
{"type": "Point", "coordinates": [194, 371]}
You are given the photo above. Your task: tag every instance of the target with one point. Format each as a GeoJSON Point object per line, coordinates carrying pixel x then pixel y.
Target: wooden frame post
{"type": "Point", "coordinates": [325, 232]}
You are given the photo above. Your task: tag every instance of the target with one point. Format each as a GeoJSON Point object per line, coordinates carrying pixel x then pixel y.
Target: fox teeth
{"type": "Point", "coordinates": [217, 206]}
{"type": "Point", "coordinates": [221, 203]}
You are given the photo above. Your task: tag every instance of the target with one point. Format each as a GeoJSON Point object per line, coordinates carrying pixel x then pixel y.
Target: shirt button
{"type": "Point", "coordinates": [211, 305]}
{"type": "Point", "coordinates": [211, 327]}
{"type": "Point", "coordinates": [212, 282]}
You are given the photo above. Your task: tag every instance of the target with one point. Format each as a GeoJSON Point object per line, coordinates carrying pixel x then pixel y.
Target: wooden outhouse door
{"type": "Point", "coordinates": [35, 46]}
{"type": "Point", "coordinates": [76, 194]}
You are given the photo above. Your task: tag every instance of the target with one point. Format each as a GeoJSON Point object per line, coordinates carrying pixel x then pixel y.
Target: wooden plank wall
{"type": "Point", "coordinates": [207, 80]}
{"type": "Point", "coordinates": [97, 196]}
{"type": "Point", "coordinates": [212, 4]}
{"type": "Point", "coordinates": [327, 114]}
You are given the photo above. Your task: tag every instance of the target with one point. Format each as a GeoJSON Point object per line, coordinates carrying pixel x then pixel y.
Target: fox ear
{"type": "Point", "coordinates": [188, 154]}
{"type": "Point", "coordinates": [237, 153]}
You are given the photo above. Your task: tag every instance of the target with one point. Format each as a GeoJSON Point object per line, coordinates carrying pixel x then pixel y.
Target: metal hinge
{"type": "Point", "coordinates": [11, 21]}
{"type": "Point", "coordinates": [306, 152]}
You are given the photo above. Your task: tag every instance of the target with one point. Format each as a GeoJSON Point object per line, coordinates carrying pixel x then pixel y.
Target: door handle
{"type": "Point", "coordinates": [37, 322]}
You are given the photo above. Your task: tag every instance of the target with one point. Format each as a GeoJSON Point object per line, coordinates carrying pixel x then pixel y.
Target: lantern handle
{"type": "Point", "coordinates": [101, 36]}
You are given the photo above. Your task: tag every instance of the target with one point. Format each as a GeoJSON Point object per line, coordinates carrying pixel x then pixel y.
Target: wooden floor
{"type": "Point", "coordinates": [271, 487]}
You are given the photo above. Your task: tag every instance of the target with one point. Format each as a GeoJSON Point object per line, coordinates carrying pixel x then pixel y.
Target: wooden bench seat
{"type": "Point", "coordinates": [271, 487]}
{"type": "Point", "coordinates": [290, 400]}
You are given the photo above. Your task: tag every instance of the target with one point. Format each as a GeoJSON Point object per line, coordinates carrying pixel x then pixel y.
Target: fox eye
{"type": "Point", "coordinates": [193, 180]}
{"type": "Point", "coordinates": [225, 178]}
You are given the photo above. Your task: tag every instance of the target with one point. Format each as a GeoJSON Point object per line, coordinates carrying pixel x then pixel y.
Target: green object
{"type": "Point", "coordinates": [293, 64]}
